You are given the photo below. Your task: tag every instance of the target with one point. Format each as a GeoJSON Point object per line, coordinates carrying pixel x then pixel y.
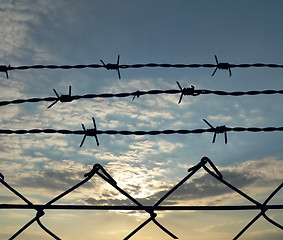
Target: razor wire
{"type": "Point", "coordinates": [205, 163]}
{"type": "Point", "coordinates": [93, 132]}
{"type": "Point", "coordinates": [190, 91]}
{"type": "Point", "coordinates": [116, 66]}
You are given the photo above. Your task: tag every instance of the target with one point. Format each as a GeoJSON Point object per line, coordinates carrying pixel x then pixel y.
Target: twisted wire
{"type": "Point", "coordinates": [140, 93]}
{"type": "Point", "coordinates": [151, 65]}
{"type": "Point", "coordinates": [154, 132]}
{"type": "Point", "coordinates": [117, 66]}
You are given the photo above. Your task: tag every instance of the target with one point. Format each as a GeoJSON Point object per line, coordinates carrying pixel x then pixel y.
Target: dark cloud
{"type": "Point", "coordinates": [207, 186]}
{"type": "Point", "coordinates": [201, 187]}
{"type": "Point", "coordinates": [8, 199]}
{"type": "Point", "coordinates": [52, 180]}
{"type": "Point", "coordinates": [106, 201]}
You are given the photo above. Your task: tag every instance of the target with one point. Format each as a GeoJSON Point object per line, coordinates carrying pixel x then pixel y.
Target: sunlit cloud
{"type": "Point", "coordinates": [42, 166]}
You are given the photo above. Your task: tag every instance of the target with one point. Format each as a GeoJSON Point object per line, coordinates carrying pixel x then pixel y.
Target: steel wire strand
{"type": "Point", "coordinates": [262, 213]}
{"type": "Point", "coordinates": [39, 210]}
{"type": "Point", "coordinates": [192, 171]}
{"type": "Point", "coordinates": [116, 66]}
{"type": "Point", "coordinates": [185, 91]}
{"type": "Point", "coordinates": [105, 176]}
{"type": "Point", "coordinates": [196, 65]}
{"type": "Point", "coordinates": [137, 208]}
{"type": "Point", "coordinates": [113, 183]}
{"type": "Point", "coordinates": [39, 213]}
{"type": "Point", "coordinates": [140, 132]}
{"type": "Point", "coordinates": [47, 230]}
{"type": "Point", "coordinates": [263, 207]}
{"type": "Point", "coordinates": [23, 228]}
{"type": "Point", "coordinates": [140, 65]}
{"type": "Point", "coordinates": [232, 187]}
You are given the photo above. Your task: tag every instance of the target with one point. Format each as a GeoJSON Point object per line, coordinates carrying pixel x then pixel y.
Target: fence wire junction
{"type": "Point", "coordinates": [205, 164]}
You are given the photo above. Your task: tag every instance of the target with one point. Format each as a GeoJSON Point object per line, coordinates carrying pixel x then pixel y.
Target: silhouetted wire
{"type": "Point", "coordinates": [205, 163]}
{"type": "Point", "coordinates": [154, 132]}
{"type": "Point", "coordinates": [93, 132]}
{"type": "Point", "coordinates": [151, 65]}
{"type": "Point", "coordinates": [117, 66]}
{"type": "Point", "coordinates": [97, 169]}
{"type": "Point", "coordinates": [136, 208]}
{"type": "Point", "coordinates": [184, 91]}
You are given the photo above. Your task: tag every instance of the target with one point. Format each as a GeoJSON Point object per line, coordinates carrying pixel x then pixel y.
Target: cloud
{"type": "Point", "coordinates": [16, 28]}
{"type": "Point", "coordinates": [55, 180]}
{"type": "Point", "coordinates": [254, 177]}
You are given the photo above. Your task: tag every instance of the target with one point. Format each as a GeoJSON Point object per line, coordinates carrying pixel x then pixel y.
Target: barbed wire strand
{"type": "Point", "coordinates": [94, 132]}
{"type": "Point", "coordinates": [117, 66]}
{"type": "Point", "coordinates": [190, 91]}
{"type": "Point", "coordinates": [141, 132]}
{"type": "Point", "coordinates": [99, 170]}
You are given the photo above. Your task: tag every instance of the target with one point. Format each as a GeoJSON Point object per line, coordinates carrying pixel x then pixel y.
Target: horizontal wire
{"type": "Point", "coordinates": [133, 208]}
{"type": "Point", "coordinates": [150, 209]}
{"type": "Point", "coordinates": [151, 65]}
{"type": "Point", "coordinates": [117, 66]}
{"type": "Point", "coordinates": [125, 132]}
{"type": "Point", "coordinates": [140, 93]}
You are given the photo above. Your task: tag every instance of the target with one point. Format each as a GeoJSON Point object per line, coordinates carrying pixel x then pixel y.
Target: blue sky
{"type": "Point", "coordinates": [83, 32]}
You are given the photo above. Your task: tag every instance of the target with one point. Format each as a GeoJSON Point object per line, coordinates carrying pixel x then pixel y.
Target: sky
{"type": "Point", "coordinates": [42, 166]}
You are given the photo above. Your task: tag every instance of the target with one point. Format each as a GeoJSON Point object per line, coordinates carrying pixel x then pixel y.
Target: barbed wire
{"type": "Point", "coordinates": [93, 132]}
{"type": "Point", "coordinates": [190, 91]}
{"type": "Point", "coordinates": [117, 66]}
{"type": "Point", "coordinates": [205, 163]}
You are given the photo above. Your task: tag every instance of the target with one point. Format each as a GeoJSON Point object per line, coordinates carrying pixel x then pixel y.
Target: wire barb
{"type": "Point", "coordinates": [90, 132]}
{"type": "Point", "coordinates": [217, 130]}
{"type": "Point", "coordinates": [220, 65]}
{"type": "Point", "coordinates": [4, 68]}
{"type": "Point", "coordinates": [136, 94]}
{"type": "Point", "coordinates": [111, 66]}
{"type": "Point", "coordinates": [190, 91]}
{"type": "Point", "coordinates": [62, 98]}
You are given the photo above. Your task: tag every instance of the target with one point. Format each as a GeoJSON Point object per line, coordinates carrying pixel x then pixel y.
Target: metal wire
{"type": "Point", "coordinates": [151, 65]}
{"type": "Point", "coordinates": [117, 66]}
{"type": "Point", "coordinates": [205, 163]}
{"type": "Point", "coordinates": [94, 132]}
{"type": "Point", "coordinates": [191, 91]}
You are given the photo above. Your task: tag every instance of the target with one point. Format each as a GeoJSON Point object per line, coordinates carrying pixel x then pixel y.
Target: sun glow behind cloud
{"type": "Point", "coordinates": [43, 166]}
